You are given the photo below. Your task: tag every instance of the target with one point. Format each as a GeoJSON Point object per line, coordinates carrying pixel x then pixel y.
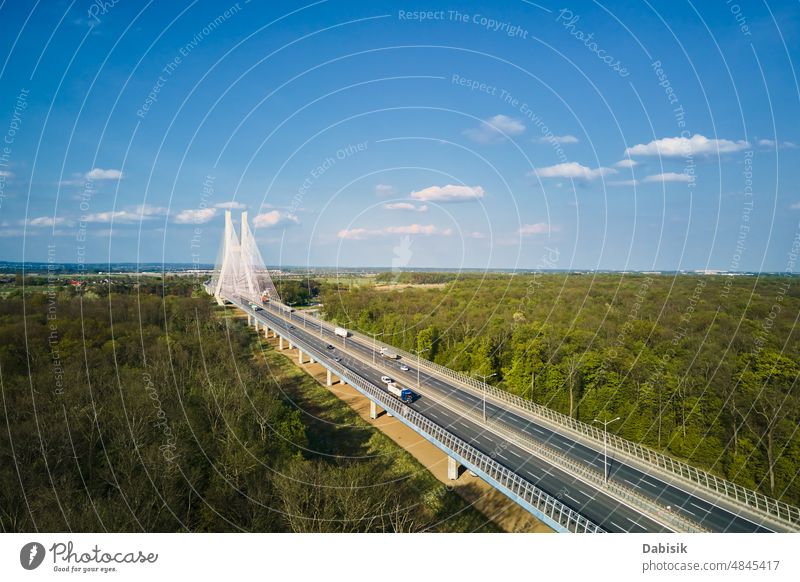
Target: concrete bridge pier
{"type": "Point", "coordinates": [373, 410]}
{"type": "Point", "coordinates": [299, 356]}
{"type": "Point", "coordinates": [255, 323]}
{"type": "Point", "coordinates": [266, 332]}
{"type": "Point", "coordinates": [249, 319]}
{"type": "Point", "coordinates": [329, 381]}
{"type": "Point", "coordinates": [452, 468]}
{"type": "Point", "coordinates": [280, 342]}
{"type": "Point", "coordinates": [291, 345]}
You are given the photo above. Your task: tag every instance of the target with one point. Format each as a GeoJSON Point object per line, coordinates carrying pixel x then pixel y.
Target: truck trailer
{"type": "Point", "coordinates": [402, 394]}
{"type": "Point", "coordinates": [341, 332]}
{"type": "Point", "coordinates": [385, 353]}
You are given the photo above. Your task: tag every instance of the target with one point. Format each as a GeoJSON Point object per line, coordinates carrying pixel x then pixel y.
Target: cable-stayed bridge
{"type": "Point", "coordinates": [571, 475]}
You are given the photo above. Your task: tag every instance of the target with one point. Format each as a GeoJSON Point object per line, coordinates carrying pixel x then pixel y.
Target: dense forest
{"type": "Point", "coordinates": [702, 367]}
{"type": "Point", "coordinates": [151, 409]}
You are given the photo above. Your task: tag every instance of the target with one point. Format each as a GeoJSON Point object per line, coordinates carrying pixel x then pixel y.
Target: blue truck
{"type": "Point", "coordinates": [402, 394]}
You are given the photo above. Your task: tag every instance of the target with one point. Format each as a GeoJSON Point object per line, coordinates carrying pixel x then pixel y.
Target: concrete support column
{"type": "Point", "coordinates": [299, 356]}
{"type": "Point", "coordinates": [373, 410]}
{"type": "Point", "coordinates": [280, 342]}
{"type": "Point", "coordinates": [291, 345]}
{"type": "Point", "coordinates": [266, 331]}
{"type": "Point", "coordinates": [255, 322]}
{"type": "Point", "coordinates": [249, 319]}
{"type": "Point", "coordinates": [329, 381]}
{"type": "Point", "coordinates": [452, 468]}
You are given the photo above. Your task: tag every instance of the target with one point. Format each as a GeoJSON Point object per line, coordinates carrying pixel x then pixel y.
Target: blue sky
{"type": "Point", "coordinates": [450, 134]}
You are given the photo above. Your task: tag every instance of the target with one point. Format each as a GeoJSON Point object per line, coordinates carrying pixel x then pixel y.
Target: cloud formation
{"type": "Point", "coordinates": [101, 174]}
{"type": "Point", "coordinates": [669, 177]}
{"type": "Point", "coordinates": [495, 129]}
{"type": "Point", "coordinates": [557, 139]}
{"type": "Point", "coordinates": [537, 228]}
{"type": "Point", "coordinates": [772, 144]}
{"type": "Point", "coordinates": [572, 170]}
{"type": "Point", "coordinates": [419, 229]}
{"type": "Point", "coordinates": [274, 218]}
{"type": "Point", "coordinates": [626, 163]}
{"type": "Point", "coordinates": [47, 221]}
{"type": "Point", "coordinates": [449, 193]}
{"type": "Point", "coordinates": [383, 189]}
{"type": "Point", "coordinates": [697, 145]}
{"type": "Point", "coordinates": [195, 216]}
{"type": "Point", "coordinates": [405, 206]}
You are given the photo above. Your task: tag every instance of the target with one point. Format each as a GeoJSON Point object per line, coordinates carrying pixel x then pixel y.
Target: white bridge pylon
{"type": "Point", "coordinates": [240, 270]}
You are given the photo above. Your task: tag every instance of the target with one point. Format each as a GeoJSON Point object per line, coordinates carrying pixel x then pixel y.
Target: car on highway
{"type": "Point", "coordinates": [330, 347]}
{"type": "Point", "coordinates": [337, 359]}
{"type": "Point", "coordinates": [404, 368]}
{"type": "Point", "coordinates": [386, 380]}
{"type": "Point", "coordinates": [291, 326]}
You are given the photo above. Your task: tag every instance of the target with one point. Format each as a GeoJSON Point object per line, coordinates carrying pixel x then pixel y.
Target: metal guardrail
{"type": "Point", "coordinates": [586, 473]}
{"type": "Point", "coordinates": [548, 505]}
{"type": "Point", "coordinates": [753, 499]}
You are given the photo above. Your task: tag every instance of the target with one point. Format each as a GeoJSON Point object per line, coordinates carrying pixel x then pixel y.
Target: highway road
{"type": "Point", "coordinates": [594, 504]}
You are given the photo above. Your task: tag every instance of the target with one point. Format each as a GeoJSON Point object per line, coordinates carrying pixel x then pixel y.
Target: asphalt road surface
{"type": "Point", "coordinates": [590, 502]}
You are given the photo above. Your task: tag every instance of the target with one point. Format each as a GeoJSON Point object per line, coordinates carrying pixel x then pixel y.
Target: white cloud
{"type": "Point", "coordinates": [274, 218]}
{"type": "Point", "coordinates": [101, 174]}
{"type": "Point", "coordinates": [697, 145]}
{"type": "Point", "coordinates": [6, 174]}
{"type": "Point", "coordinates": [772, 144]}
{"type": "Point", "coordinates": [448, 193]}
{"type": "Point", "coordinates": [195, 215]}
{"type": "Point", "coordinates": [476, 235]}
{"type": "Point", "coordinates": [626, 163]}
{"type": "Point", "coordinates": [572, 170]}
{"type": "Point", "coordinates": [623, 182]}
{"type": "Point", "coordinates": [795, 206]}
{"type": "Point", "coordinates": [495, 129]}
{"type": "Point", "coordinates": [557, 139]}
{"type": "Point", "coordinates": [383, 189]}
{"type": "Point", "coordinates": [420, 229]}
{"type": "Point", "coordinates": [136, 214]}
{"type": "Point", "coordinates": [405, 206]}
{"type": "Point", "coordinates": [231, 205]}
{"type": "Point", "coordinates": [147, 211]}
{"type": "Point", "coordinates": [537, 228]}
{"type": "Point", "coordinates": [44, 221]}
{"type": "Point", "coordinates": [669, 177]}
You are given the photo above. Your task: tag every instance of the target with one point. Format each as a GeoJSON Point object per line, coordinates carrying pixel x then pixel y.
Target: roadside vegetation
{"type": "Point", "coordinates": [702, 367]}
{"type": "Point", "coordinates": [145, 407]}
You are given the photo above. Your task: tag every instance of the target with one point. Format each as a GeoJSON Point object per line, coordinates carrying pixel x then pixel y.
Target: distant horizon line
{"type": "Point", "coordinates": [184, 266]}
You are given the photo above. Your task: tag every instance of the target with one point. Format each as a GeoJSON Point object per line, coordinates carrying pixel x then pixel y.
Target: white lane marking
{"type": "Point", "coordinates": [699, 507]}
{"type": "Point", "coordinates": [462, 424]}
{"type": "Point", "coordinates": [612, 523]}
{"type": "Point", "coordinates": [688, 510]}
{"type": "Point", "coordinates": [510, 452]}
{"type": "Point", "coordinates": [643, 480]}
{"type": "Point", "coordinates": [555, 444]}
{"type": "Point", "coordinates": [537, 430]}
{"type": "Point", "coordinates": [631, 482]}
{"type": "Point", "coordinates": [584, 493]}
{"type": "Point", "coordinates": [630, 520]}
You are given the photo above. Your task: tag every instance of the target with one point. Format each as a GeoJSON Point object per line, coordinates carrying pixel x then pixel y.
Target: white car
{"type": "Point", "coordinates": [404, 368]}
{"type": "Point", "coordinates": [386, 380]}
